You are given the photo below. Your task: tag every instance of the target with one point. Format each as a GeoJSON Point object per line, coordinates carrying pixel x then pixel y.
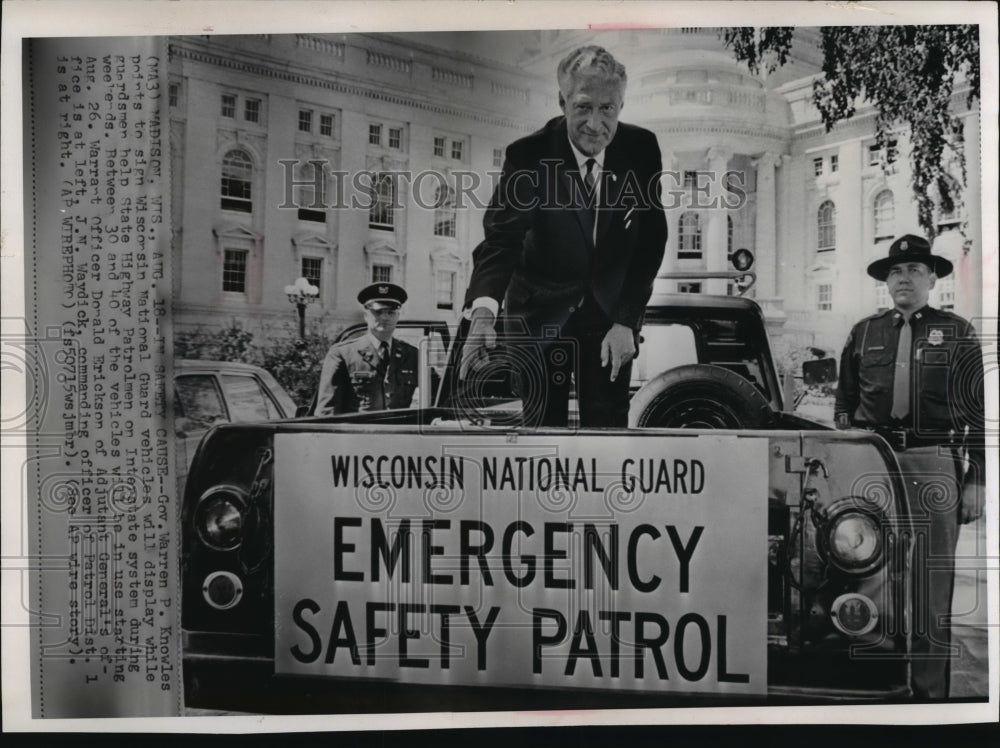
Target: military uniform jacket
{"type": "Point", "coordinates": [946, 376]}
{"type": "Point", "coordinates": [353, 379]}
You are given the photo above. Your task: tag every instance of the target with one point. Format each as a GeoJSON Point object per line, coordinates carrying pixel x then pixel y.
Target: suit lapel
{"type": "Point", "coordinates": [612, 182]}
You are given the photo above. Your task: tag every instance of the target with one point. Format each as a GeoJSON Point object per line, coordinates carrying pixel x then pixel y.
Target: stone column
{"type": "Point", "coordinates": [766, 237]}
{"type": "Point", "coordinates": [672, 185]}
{"type": "Point", "coordinates": [714, 244]}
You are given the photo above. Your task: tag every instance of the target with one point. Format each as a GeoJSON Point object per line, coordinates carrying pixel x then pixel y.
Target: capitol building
{"type": "Point", "coordinates": [349, 159]}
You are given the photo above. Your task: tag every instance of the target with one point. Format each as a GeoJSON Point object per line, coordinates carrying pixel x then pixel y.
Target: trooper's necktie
{"type": "Point", "coordinates": [901, 378]}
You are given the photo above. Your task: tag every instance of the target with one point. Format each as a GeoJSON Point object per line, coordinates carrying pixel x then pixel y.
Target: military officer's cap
{"type": "Point", "coordinates": [382, 296]}
{"type": "Point", "coordinates": [909, 248]}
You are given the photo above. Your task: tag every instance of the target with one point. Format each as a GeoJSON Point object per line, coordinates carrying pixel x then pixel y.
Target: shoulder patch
{"type": "Point", "coordinates": [877, 315]}
{"type": "Point", "coordinates": [951, 316]}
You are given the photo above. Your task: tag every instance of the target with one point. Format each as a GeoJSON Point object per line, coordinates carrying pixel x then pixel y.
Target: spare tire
{"type": "Point", "coordinates": [699, 396]}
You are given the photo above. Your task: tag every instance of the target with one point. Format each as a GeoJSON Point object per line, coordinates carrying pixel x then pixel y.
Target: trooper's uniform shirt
{"type": "Point", "coordinates": [943, 361]}
{"type": "Point", "coordinates": [355, 378]}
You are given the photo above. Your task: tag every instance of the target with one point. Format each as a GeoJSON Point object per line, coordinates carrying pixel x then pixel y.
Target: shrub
{"type": "Point", "coordinates": [231, 343]}
{"type": "Point", "coordinates": [296, 364]}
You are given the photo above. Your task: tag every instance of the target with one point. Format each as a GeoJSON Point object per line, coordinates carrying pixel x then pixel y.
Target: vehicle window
{"type": "Point", "coordinates": [197, 398]}
{"type": "Point", "coordinates": [728, 345]}
{"type": "Point", "coordinates": [248, 400]}
{"type": "Point", "coordinates": [663, 347]}
{"type": "Point", "coordinates": [437, 354]}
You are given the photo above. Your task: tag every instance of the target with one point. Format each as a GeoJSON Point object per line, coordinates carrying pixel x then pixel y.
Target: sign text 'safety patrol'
{"type": "Point", "coordinates": [553, 562]}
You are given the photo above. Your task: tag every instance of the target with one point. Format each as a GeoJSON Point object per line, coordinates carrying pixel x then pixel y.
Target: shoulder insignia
{"type": "Point", "coordinates": [877, 315]}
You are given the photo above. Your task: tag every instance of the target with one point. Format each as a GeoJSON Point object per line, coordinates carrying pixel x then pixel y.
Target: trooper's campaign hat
{"type": "Point", "coordinates": [909, 248]}
{"type": "Point", "coordinates": [382, 296]}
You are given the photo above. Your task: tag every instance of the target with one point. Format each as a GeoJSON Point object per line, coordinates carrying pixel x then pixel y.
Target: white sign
{"type": "Point", "coordinates": [616, 562]}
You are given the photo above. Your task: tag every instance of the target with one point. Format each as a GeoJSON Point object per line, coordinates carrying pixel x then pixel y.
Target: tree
{"type": "Point", "coordinates": [908, 73]}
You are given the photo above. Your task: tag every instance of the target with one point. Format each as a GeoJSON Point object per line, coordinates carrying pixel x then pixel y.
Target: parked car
{"type": "Point", "coordinates": [207, 393]}
{"type": "Point", "coordinates": [719, 550]}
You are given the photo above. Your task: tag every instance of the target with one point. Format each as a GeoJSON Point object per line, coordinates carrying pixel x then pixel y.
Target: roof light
{"type": "Point", "coordinates": [742, 259]}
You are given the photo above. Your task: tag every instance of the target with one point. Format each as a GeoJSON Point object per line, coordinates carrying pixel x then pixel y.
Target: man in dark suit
{"type": "Point", "coordinates": [375, 371]}
{"type": "Point", "coordinates": [574, 237]}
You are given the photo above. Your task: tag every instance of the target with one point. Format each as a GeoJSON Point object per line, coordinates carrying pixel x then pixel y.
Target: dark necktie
{"type": "Point", "coordinates": [590, 179]}
{"type": "Point", "coordinates": [901, 380]}
{"type": "Point", "coordinates": [590, 182]}
{"type": "Point", "coordinates": [383, 358]}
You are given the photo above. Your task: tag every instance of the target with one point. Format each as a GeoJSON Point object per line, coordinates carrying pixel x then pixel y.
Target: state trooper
{"type": "Point", "coordinates": [914, 375]}
{"type": "Point", "coordinates": [375, 371]}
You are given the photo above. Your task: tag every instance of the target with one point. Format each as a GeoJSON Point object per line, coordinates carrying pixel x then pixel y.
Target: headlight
{"type": "Point", "coordinates": [219, 518]}
{"type": "Point", "coordinates": [854, 614]}
{"type": "Point", "coordinates": [854, 541]}
{"type": "Point", "coordinates": [222, 589]}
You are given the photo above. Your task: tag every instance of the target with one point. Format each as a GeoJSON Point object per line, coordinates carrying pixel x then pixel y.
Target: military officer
{"type": "Point", "coordinates": [914, 375]}
{"type": "Point", "coordinates": [375, 371]}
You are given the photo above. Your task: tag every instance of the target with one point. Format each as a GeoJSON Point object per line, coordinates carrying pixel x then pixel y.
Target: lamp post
{"type": "Point", "coordinates": [302, 293]}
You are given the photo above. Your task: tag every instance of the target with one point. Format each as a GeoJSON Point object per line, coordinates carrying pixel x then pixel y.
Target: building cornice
{"type": "Point", "coordinates": [687, 127]}
{"type": "Point", "coordinates": [339, 85]}
{"type": "Point", "coordinates": [865, 113]}
{"type": "Point", "coordinates": [453, 56]}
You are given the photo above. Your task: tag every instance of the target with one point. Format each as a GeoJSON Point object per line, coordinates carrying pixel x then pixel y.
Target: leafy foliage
{"type": "Point", "coordinates": [767, 45]}
{"type": "Point", "coordinates": [908, 73]}
{"type": "Point", "coordinates": [235, 344]}
{"type": "Point", "coordinates": [295, 363]}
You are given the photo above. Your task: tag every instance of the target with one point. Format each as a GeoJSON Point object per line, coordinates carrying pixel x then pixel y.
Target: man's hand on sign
{"type": "Point", "coordinates": [482, 338]}
{"type": "Point", "coordinates": [972, 503]}
{"type": "Point", "coordinates": [617, 348]}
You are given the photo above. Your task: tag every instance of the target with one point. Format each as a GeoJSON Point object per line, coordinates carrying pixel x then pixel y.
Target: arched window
{"type": "Point", "coordinates": [382, 213]}
{"type": "Point", "coordinates": [311, 191]}
{"type": "Point", "coordinates": [948, 219]}
{"type": "Point", "coordinates": [826, 227]}
{"type": "Point", "coordinates": [884, 216]}
{"type": "Point", "coordinates": [237, 180]}
{"type": "Point", "coordinates": [444, 212]}
{"type": "Point", "coordinates": [689, 237]}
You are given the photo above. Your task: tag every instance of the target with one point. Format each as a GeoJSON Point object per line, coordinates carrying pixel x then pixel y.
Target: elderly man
{"type": "Point", "coordinates": [574, 236]}
{"type": "Point", "coordinates": [914, 375]}
{"type": "Point", "coordinates": [375, 371]}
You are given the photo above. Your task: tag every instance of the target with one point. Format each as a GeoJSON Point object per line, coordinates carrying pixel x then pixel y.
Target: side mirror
{"type": "Point", "coordinates": [820, 371]}
{"type": "Point", "coordinates": [302, 411]}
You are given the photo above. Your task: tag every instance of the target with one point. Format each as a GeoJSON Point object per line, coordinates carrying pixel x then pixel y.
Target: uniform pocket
{"type": "Point", "coordinates": [876, 371]}
{"type": "Point", "coordinates": [878, 358]}
{"type": "Point", "coordinates": [362, 382]}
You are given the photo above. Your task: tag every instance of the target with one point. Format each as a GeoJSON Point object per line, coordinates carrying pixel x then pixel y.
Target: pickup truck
{"type": "Point", "coordinates": [442, 558]}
